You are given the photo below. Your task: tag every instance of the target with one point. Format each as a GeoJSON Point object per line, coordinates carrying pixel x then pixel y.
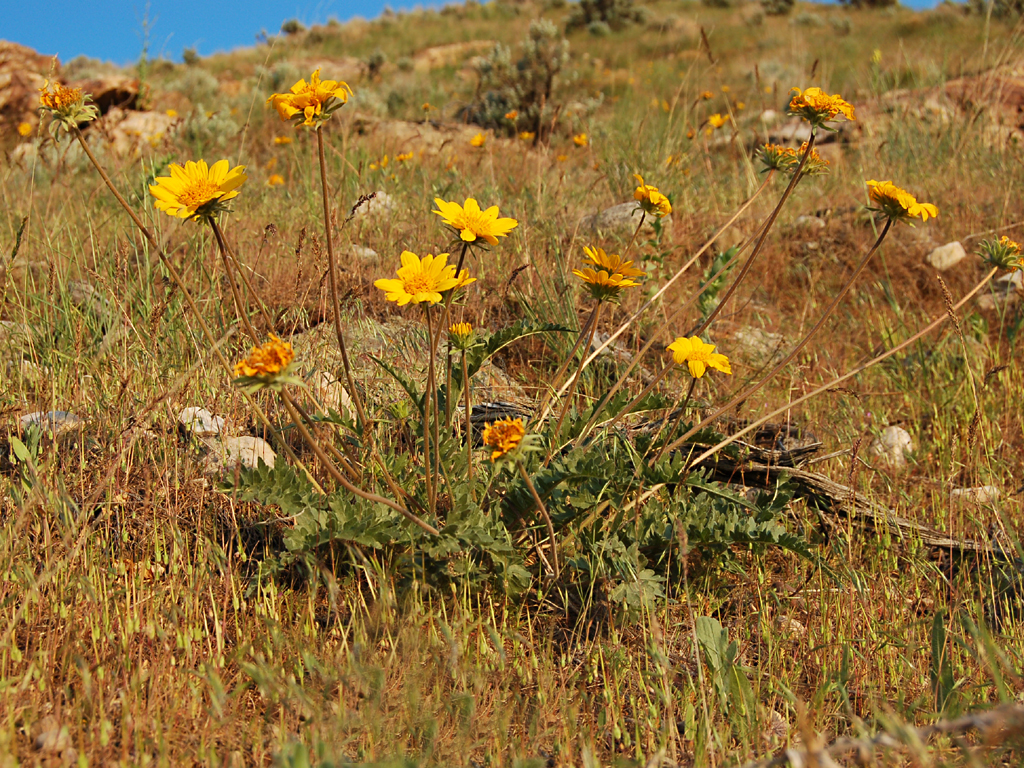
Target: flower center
{"type": "Point", "coordinates": [198, 192]}
{"type": "Point", "coordinates": [474, 222]}
{"type": "Point", "coordinates": [419, 283]}
{"type": "Point", "coordinates": [698, 356]}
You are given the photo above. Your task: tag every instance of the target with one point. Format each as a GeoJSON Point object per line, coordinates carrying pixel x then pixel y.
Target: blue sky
{"type": "Point", "coordinates": [112, 30]}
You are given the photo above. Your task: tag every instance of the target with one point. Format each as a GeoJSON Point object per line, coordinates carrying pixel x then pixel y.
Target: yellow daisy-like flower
{"type": "Point", "coordinates": [461, 335]}
{"type": "Point", "coordinates": [195, 190]}
{"type": "Point", "coordinates": [512, 114]}
{"type": "Point", "coordinates": [478, 141]}
{"type": "Point", "coordinates": [275, 180]}
{"type": "Point", "coordinates": [309, 104]}
{"type": "Point", "coordinates": [817, 107]}
{"type": "Point", "coordinates": [698, 356]}
{"type": "Point", "coordinates": [787, 159]}
{"type": "Point", "coordinates": [68, 106]}
{"type": "Point", "coordinates": [707, 95]}
{"type": "Point", "coordinates": [266, 361]}
{"type": "Point", "coordinates": [1003, 253]}
{"type": "Point", "coordinates": [612, 264]}
{"type": "Point", "coordinates": [527, 135]}
{"type": "Point", "coordinates": [650, 199]}
{"type": "Point", "coordinates": [580, 140]}
{"type": "Point", "coordinates": [897, 203]}
{"type": "Point", "coordinates": [380, 164]}
{"type": "Point", "coordinates": [472, 223]}
{"type": "Point", "coordinates": [422, 280]}
{"type": "Point", "coordinates": [503, 436]}
{"type": "Point", "coordinates": [171, 112]}
{"type": "Point", "coordinates": [401, 158]}
{"type": "Point", "coordinates": [717, 121]}
{"type": "Point", "coordinates": [279, 140]}
{"type": "Point", "coordinates": [24, 129]}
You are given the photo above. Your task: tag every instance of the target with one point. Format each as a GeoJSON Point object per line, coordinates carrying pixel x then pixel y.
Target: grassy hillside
{"type": "Point", "coordinates": [163, 605]}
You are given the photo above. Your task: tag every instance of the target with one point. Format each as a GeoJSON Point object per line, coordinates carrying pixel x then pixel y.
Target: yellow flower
{"type": "Point", "coordinates": [611, 275]}
{"type": "Point", "coordinates": [612, 263]}
{"type": "Point", "coordinates": [876, 56]}
{"type": "Point", "coordinates": [310, 103]}
{"type": "Point", "coordinates": [707, 95]}
{"type": "Point", "coordinates": [275, 180]}
{"type": "Point", "coordinates": [561, 158]}
{"type": "Point", "coordinates": [68, 106]}
{"type": "Point", "coordinates": [380, 164]}
{"type": "Point", "coordinates": [472, 222]}
{"type": "Point", "coordinates": [897, 203]}
{"type": "Point", "coordinates": [401, 158]}
{"type": "Point", "coordinates": [527, 135]}
{"type": "Point", "coordinates": [171, 112]}
{"type": "Point", "coordinates": [422, 280]}
{"type": "Point", "coordinates": [503, 436]}
{"type": "Point", "coordinates": [717, 120]}
{"type": "Point", "coordinates": [580, 140]}
{"type": "Point", "coordinates": [740, 106]}
{"type": "Point", "coordinates": [726, 89]}
{"type": "Point", "coordinates": [24, 129]}
{"type": "Point", "coordinates": [512, 114]}
{"type": "Point", "coordinates": [266, 361]}
{"type": "Point", "coordinates": [1003, 253]}
{"type": "Point", "coordinates": [478, 141]}
{"type": "Point", "coordinates": [787, 159]}
{"type": "Point", "coordinates": [698, 356]}
{"type": "Point", "coordinates": [196, 191]}
{"type": "Point", "coordinates": [650, 199]}
{"type": "Point", "coordinates": [817, 107]}
{"type": "Point", "coordinates": [427, 107]}
{"type": "Point", "coordinates": [282, 140]}
{"type": "Point", "coordinates": [461, 335]}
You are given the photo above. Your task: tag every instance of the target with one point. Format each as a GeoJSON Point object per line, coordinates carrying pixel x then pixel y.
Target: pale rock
{"type": "Point", "coordinates": [200, 422]}
{"type": "Point", "coordinates": [53, 741]}
{"type": "Point", "coordinates": [364, 254]}
{"type": "Point", "coordinates": [758, 344]}
{"type": "Point", "coordinates": [623, 217]}
{"type": "Point", "coordinates": [892, 445]}
{"type": "Point", "coordinates": [330, 393]}
{"type": "Point", "coordinates": [232, 453]}
{"type": "Point", "coordinates": [52, 423]}
{"type": "Point", "coordinates": [984, 494]}
{"type": "Point", "coordinates": [1014, 280]}
{"type": "Point", "coordinates": [380, 203]}
{"type": "Point", "coordinates": [770, 116]}
{"type": "Point", "coordinates": [787, 625]}
{"type": "Point", "coordinates": [946, 256]}
{"type": "Point", "coordinates": [130, 132]}
{"type": "Point", "coordinates": [809, 222]}
{"type": "Point", "coordinates": [22, 74]}
{"type": "Point", "coordinates": [450, 55]}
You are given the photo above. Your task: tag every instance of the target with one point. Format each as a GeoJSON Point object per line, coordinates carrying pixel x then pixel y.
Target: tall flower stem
{"type": "Point", "coordinates": [676, 423]}
{"type": "Point", "coordinates": [179, 281]}
{"type": "Point", "coordinates": [340, 477]}
{"type": "Point", "coordinates": [576, 376]}
{"type": "Point", "coordinates": [643, 217]}
{"type": "Point", "coordinates": [543, 513]}
{"type": "Point", "coordinates": [427, 400]}
{"type": "Point", "coordinates": [227, 253]}
{"type": "Point", "coordinates": [793, 353]}
{"type": "Point", "coordinates": [545, 407]}
{"type": "Point", "coordinates": [332, 267]}
{"type": "Point", "coordinates": [449, 297]}
{"type": "Point", "coordinates": [469, 423]}
{"type": "Point", "coordinates": [760, 243]}
{"type": "Point", "coordinates": [243, 316]}
{"type": "Point", "coordinates": [646, 391]}
{"type": "Point", "coordinates": [850, 374]}
{"type": "Point", "coordinates": [679, 273]}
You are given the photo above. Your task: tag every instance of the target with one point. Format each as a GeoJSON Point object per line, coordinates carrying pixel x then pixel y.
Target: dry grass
{"type": "Point", "coordinates": [146, 613]}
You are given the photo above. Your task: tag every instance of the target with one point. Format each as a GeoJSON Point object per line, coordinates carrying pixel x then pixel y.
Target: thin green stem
{"type": "Point", "coordinates": [428, 399]}
{"type": "Point", "coordinates": [849, 375]}
{"type": "Point", "coordinates": [546, 404]}
{"type": "Point", "coordinates": [240, 312]}
{"type": "Point", "coordinates": [469, 423]}
{"type": "Point", "coordinates": [544, 514]}
{"type": "Point", "coordinates": [576, 377]}
{"type": "Point", "coordinates": [793, 353]}
{"type": "Point", "coordinates": [333, 282]}
{"type": "Point", "coordinates": [676, 423]}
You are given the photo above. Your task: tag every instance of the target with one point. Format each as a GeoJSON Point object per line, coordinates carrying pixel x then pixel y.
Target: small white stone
{"type": "Point", "coordinates": [946, 256]}
{"type": "Point", "coordinates": [891, 446]}
{"type": "Point", "coordinates": [380, 203]}
{"type": "Point", "coordinates": [200, 422]}
{"type": "Point", "coordinates": [55, 423]}
{"type": "Point", "coordinates": [363, 253]}
{"type": "Point", "coordinates": [623, 217]}
{"type": "Point", "coordinates": [984, 494]}
{"type": "Point", "coordinates": [330, 393]}
{"type": "Point", "coordinates": [232, 452]}
{"type": "Point", "coordinates": [809, 222]}
{"type": "Point", "coordinates": [789, 626]}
